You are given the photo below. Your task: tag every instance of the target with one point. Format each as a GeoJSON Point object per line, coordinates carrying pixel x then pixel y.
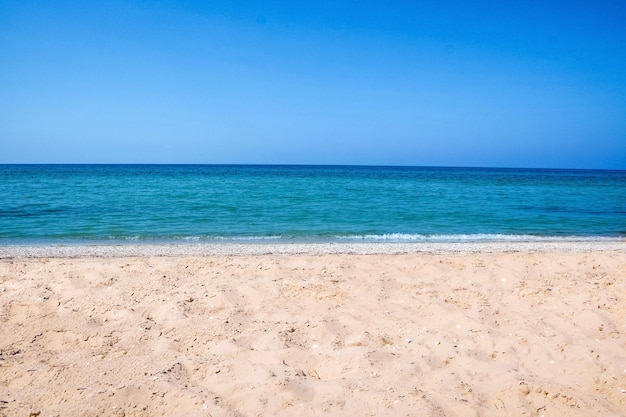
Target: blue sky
{"type": "Point", "coordinates": [506, 84]}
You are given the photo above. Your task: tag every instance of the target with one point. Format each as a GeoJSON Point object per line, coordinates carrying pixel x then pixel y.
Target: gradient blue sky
{"type": "Point", "coordinates": [506, 84]}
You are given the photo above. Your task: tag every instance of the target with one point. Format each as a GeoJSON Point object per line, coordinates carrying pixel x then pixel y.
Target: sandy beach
{"type": "Point", "coordinates": [528, 330]}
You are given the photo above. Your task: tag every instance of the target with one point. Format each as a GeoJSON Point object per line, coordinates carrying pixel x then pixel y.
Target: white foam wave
{"type": "Point", "coordinates": [478, 237]}
{"type": "Point", "coordinates": [246, 238]}
{"type": "Point", "coordinates": [228, 238]}
{"type": "Point", "coordinates": [374, 238]}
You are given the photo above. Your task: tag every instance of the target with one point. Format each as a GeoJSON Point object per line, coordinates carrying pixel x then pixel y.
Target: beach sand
{"type": "Point", "coordinates": [474, 333]}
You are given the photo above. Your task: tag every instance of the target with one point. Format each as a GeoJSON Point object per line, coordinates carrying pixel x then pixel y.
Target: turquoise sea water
{"type": "Point", "coordinates": [179, 203]}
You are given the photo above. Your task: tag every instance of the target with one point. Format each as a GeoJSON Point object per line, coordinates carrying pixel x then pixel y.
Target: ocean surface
{"type": "Point", "coordinates": [76, 204]}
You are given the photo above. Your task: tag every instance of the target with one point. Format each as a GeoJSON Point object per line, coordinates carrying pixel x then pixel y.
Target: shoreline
{"type": "Point", "coordinates": [243, 249]}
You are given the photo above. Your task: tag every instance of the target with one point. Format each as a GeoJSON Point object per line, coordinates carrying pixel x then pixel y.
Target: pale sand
{"type": "Point", "coordinates": [488, 333]}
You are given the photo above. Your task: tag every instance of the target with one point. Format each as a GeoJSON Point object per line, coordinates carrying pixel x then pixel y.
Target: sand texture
{"type": "Point", "coordinates": [419, 334]}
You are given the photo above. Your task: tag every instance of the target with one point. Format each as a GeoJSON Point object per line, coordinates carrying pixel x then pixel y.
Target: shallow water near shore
{"type": "Point", "coordinates": [86, 204]}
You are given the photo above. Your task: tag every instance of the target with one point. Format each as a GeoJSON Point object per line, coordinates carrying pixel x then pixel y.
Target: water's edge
{"type": "Point", "coordinates": [234, 249]}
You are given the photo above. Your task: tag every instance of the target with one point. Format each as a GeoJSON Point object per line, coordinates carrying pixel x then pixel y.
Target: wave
{"type": "Point", "coordinates": [478, 237]}
{"type": "Point", "coordinates": [199, 238]}
{"type": "Point", "coordinates": [323, 239]}
{"type": "Point", "coordinates": [231, 238]}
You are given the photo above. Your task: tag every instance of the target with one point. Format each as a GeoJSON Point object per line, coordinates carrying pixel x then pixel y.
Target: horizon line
{"type": "Point", "coordinates": [303, 165]}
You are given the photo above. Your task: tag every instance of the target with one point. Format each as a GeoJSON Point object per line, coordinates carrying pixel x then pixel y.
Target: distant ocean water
{"type": "Point", "coordinates": [74, 204]}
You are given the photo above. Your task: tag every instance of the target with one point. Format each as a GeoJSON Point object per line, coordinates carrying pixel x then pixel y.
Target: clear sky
{"type": "Point", "coordinates": [446, 83]}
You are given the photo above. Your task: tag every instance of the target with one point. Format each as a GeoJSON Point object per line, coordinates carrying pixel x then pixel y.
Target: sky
{"type": "Point", "coordinates": [446, 83]}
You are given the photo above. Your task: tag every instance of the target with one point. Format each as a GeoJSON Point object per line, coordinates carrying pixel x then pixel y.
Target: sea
{"type": "Point", "coordinates": [103, 204]}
